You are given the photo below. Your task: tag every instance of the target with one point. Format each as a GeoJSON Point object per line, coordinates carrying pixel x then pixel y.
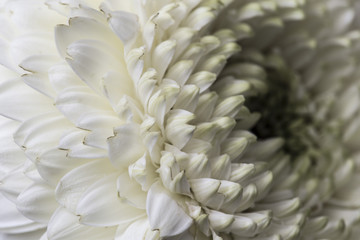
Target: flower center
{"type": "Point", "coordinates": [285, 110]}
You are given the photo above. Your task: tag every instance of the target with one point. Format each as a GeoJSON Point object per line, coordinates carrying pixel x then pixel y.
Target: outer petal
{"type": "Point", "coordinates": [12, 221]}
{"type": "Point", "coordinates": [40, 195]}
{"type": "Point", "coordinates": [77, 181]}
{"type": "Point", "coordinates": [101, 205]}
{"type": "Point", "coordinates": [35, 235]}
{"type": "Point", "coordinates": [126, 26]}
{"type": "Point", "coordinates": [164, 212]}
{"type": "Point", "coordinates": [55, 163]}
{"type": "Point", "coordinates": [65, 225]}
{"type": "Point", "coordinates": [84, 28]}
{"type": "Point", "coordinates": [19, 101]}
{"type": "Point", "coordinates": [138, 229]}
{"type": "Point", "coordinates": [131, 191]}
{"type": "Point", "coordinates": [126, 146]}
{"type": "Point", "coordinates": [91, 60]}
{"type": "Point", "coordinates": [14, 183]}
{"type": "Point", "coordinates": [11, 155]}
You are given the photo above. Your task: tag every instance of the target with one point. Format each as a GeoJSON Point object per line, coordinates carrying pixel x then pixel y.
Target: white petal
{"type": "Point", "coordinates": [343, 173]}
{"type": "Point", "coordinates": [221, 168]}
{"type": "Point", "coordinates": [6, 59]}
{"type": "Point", "coordinates": [234, 147]}
{"type": "Point", "coordinates": [91, 60]}
{"type": "Point", "coordinates": [188, 98]}
{"type": "Point", "coordinates": [183, 37]}
{"type": "Point", "coordinates": [199, 18]}
{"type": "Point", "coordinates": [32, 15]}
{"type": "Point", "coordinates": [74, 183]}
{"type": "Point", "coordinates": [157, 107]}
{"type": "Point", "coordinates": [32, 43]}
{"type": "Point", "coordinates": [84, 28]}
{"type": "Point", "coordinates": [146, 86]}
{"type": "Point", "coordinates": [241, 171]}
{"type": "Point", "coordinates": [126, 146]}
{"type": "Point", "coordinates": [14, 183]}
{"type": "Point", "coordinates": [333, 229]}
{"type": "Point", "coordinates": [37, 202]}
{"type": "Point", "coordinates": [229, 106]}
{"type": "Point", "coordinates": [213, 64]}
{"type": "Point", "coordinates": [282, 208]}
{"type": "Point", "coordinates": [220, 221]}
{"type": "Point", "coordinates": [181, 71]}
{"type": "Point", "coordinates": [20, 102]}
{"type": "Point", "coordinates": [12, 221]}
{"type": "Point", "coordinates": [74, 142]}
{"type": "Point", "coordinates": [196, 166]}
{"type": "Point", "coordinates": [38, 66]}
{"type": "Point", "coordinates": [178, 132]}
{"type": "Point", "coordinates": [171, 175]}
{"type": "Point", "coordinates": [139, 229]}
{"type": "Point", "coordinates": [243, 226]}
{"type": "Point", "coordinates": [199, 146]}
{"type": "Point", "coordinates": [126, 26]}
{"type": "Point", "coordinates": [248, 198]}
{"type": "Point", "coordinates": [115, 85]}
{"type": "Point", "coordinates": [206, 106]}
{"type": "Point", "coordinates": [204, 188]}
{"type": "Point", "coordinates": [77, 101]}
{"type": "Point", "coordinates": [12, 156]}
{"type": "Point", "coordinates": [347, 103]}
{"type": "Point", "coordinates": [135, 63]}
{"type": "Point", "coordinates": [143, 172]}
{"type": "Point", "coordinates": [162, 56]}
{"type": "Point", "coordinates": [54, 164]}
{"type": "Point", "coordinates": [61, 77]}
{"type": "Point", "coordinates": [172, 222]}
{"type": "Point", "coordinates": [101, 205]}
{"type": "Point", "coordinates": [262, 150]}
{"type": "Point", "coordinates": [33, 235]}
{"type": "Point", "coordinates": [263, 183]}
{"type": "Point", "coordinates": [38, 135]}
{"type": "Point", "coordinates": [230, 87]}
{"type": "Point", "coordinates": [315, 224]}
{"type": "Point", "coordinates": [202, 79]}
{"type": "Point", "coordinates": [131, 191]}
{"type": "Point", "coordinates": [65, 225]}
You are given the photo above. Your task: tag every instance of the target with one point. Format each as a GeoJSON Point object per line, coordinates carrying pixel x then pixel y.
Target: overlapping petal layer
{"type": "Point", "coordinates": [179, 119]}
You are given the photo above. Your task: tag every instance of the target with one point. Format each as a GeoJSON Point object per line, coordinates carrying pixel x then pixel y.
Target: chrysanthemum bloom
{"type": "Point", "coordinates": [179, 119]}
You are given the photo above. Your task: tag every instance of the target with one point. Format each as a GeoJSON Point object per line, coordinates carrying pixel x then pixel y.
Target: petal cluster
{"type": "Point", "coordinates": [183, 119]}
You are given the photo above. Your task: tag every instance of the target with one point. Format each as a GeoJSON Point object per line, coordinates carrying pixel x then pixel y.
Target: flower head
{"type": "Point", "coordinates": [159, 119]}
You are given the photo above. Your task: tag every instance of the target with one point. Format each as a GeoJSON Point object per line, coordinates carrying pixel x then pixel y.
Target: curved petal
{"type": "Point", "coordinates": [126, 146]}
{"type": "Point", "coordinates": [138, 229]}
{"type": "Point", "coordinates": [65, 225]}
{"type": "Point", "coordinates": [13, 222]}
{"type": "Point", "coordinates": [101, 205]}
{"type": "Point", "coordinates": [72, 186]}
{"type": "Point", "coordinates": [173, 220]}
{"type": "Point", "coordinates": [37, 202]}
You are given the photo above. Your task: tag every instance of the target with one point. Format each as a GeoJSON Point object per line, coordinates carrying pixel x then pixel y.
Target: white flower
{"type": "Point", "coordinates": [179, 119]}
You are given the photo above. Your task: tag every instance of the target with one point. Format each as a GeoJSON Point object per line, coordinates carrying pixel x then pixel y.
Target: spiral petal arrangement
{"type": "Point", "coordinates": [179, 119]}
